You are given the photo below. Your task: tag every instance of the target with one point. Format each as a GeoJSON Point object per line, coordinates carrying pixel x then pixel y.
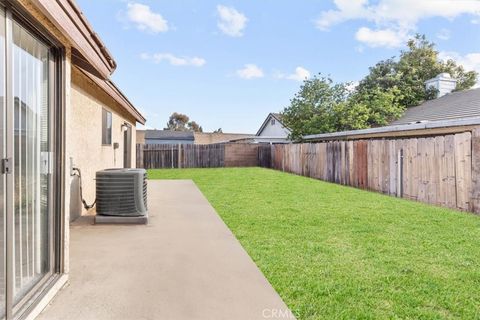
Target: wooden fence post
{"type": "Point", "coordinates": [139, 156]}
{"type": "Point", "coordinates": [179, 155]}
{"type": "Point", "coordinates": [475, 193]}
{"type": "Point", "coordinates": [400, 173]}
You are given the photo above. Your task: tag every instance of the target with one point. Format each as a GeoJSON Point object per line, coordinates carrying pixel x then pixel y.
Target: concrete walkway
{"type": "Point", "coordinates": [186, 264]}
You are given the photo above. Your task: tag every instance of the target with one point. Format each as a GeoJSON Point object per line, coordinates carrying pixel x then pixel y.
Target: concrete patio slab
{"type": "Point", "coordinates": [185, 264]}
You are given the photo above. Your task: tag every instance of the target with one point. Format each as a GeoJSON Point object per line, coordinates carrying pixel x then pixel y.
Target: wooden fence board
{"type": "Point", "coordinates": [363, 165]}
{"type": "Point", "coordinates": [422, 170]}
{"type": "Point", "coordinates": [463, 169]}
{"type": "Point", "coordinates": [392, 167]}
{"type": "Point", "coordinates": [440, 169]}
{"type": "Point", "coordinates": [350, 163]}
{"type": "Point", "coordinates": [475, 196]}
{"type": "Point", "coordinates": [450, 183]}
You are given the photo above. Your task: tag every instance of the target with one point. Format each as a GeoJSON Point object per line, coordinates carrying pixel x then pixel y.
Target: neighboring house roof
{"type": "Point", "coordinates": [456, 105]}
{"type": "Point", "coordinates": [402, 130]}
{"type": "Point", "coordinates": [169, 135]}
{"type": "Point", "coordinates": [276, 116]}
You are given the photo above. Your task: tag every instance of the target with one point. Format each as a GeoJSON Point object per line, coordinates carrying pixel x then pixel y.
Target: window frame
{"type": "Point", "coordinates": [106, 116]}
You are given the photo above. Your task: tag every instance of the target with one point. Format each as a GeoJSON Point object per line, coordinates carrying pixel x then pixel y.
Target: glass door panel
{"type": "Point", "coordinates": [31, 160]}
{"type": "Point", "coordinates": [2, 155]}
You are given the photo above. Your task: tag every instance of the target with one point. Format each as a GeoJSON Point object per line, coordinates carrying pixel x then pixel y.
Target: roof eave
{"type": "Point", "coordinates": [68, 18]}
{"type": "Point", "coordinates": [114, 92]}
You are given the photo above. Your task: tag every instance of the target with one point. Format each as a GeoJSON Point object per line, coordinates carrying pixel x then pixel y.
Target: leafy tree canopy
{"type": "Point", "coordinates": [381, 97]}
{"type": "Point", "coordinates": [323, 106]}
{"type": "Point", "coordinates": [181, 122]}
{"type": "Point", "coordinates": [195, 127]}
{"type": "Point", "coordinates": [419, 63]}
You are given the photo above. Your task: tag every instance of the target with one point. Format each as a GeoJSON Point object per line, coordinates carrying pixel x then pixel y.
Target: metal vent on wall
{"type": "Point", "coordinates": [122, 192]}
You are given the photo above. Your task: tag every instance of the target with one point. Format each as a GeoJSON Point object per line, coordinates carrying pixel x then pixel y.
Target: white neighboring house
{"type": "Point", "coordinates": [273, 130]}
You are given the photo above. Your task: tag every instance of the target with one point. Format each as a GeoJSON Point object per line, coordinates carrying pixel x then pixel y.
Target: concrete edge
{"type": "Point", "coordinates": [219, 217]}
{"type": "Point", "coordinates": [48, 297]}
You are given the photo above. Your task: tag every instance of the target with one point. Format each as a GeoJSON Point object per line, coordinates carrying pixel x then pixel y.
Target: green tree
{"type": "Point", "coordinates": [181, 122]}
{"type": "Point", "coordinates": [177, 122]}
{"type": "Point", "coordinates": [420, 62]}
{"type": "Point", "coordinates": [195, 127]}
{"type": "Point", "coordinates": [381, 97]}
{"type": "Point", "coordinates": [376, 108]}
{"type": "Point", "coordinates": [313, 108]}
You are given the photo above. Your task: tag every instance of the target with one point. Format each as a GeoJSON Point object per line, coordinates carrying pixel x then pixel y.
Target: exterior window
{"type": "Point", "coordinates": [106, 127]}
{"type": "Point", "coordinates": [272, 122]}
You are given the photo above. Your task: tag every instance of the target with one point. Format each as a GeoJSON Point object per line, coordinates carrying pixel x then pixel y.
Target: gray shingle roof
{"type": "Point", "coordinates": [456, 105]}
{"type": "Point", "coordinates": [169, 135]}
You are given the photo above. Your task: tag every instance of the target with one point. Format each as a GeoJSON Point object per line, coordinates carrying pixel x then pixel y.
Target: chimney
{"type": "Point", "coordinates": [443, 83]}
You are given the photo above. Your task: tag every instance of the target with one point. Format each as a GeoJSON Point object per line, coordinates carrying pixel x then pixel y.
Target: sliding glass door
{"type": "Point", "coordinates": [31, 159]}
{"type": "Point", "coordinates": [3, 257]}
{"type": "Point", "coordinates": [26, 76]}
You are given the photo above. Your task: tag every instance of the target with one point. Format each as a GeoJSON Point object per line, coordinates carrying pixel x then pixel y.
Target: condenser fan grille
{"type": "Point", "coordinates": [122, 192]}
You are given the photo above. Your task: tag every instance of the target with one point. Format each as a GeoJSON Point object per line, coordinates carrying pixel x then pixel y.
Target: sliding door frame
{"type": "Point", "coordinates": [57, 101]}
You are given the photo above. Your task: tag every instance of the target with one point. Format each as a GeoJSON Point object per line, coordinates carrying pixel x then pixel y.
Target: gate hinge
{"type": "Point", "coordinates": [6, 166]}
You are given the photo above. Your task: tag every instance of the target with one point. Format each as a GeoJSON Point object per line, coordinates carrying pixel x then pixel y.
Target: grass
{"type": "Point", "coordinates": [337, 252]}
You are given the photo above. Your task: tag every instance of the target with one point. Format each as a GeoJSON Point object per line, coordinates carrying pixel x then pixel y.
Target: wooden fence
{"type": "Point", "coordinates": [437, 170]}
{"type": "Point", "coordinates": [160, 156]}
{"type": "Point", "coordinates": [442, 170]}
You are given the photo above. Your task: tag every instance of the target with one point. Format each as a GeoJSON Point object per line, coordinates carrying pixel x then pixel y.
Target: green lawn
{"type": "Point", "coordinates": [337, 252]}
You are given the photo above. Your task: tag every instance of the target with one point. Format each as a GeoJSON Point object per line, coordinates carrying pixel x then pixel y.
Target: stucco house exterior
{"type": "Point", "coordinates": [273, 130]}
{"type": "Point", "coordinates": [60, 111]}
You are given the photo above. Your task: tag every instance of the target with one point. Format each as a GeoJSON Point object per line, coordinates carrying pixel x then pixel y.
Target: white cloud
{"type": "Point", "coordinates": [470, 61]}
{"type": "Point", "coordinates": [145, 19]}
{"type": "Point", "coordinates": [232, 22]}
{"type": "Point", "coordinates": [347, 9]}
{"type": "Point", "coordinates": [174, 60]}
{"type": "Point", "coordinates": [444, 34]}
{"type": "Point", "coordinates": [300, 74]}
{"type": "Point", "coordinates": [396, 16]}
{"type": "Point", "coordinates": [250, 71]}
{"type": "Point", "coordinates": [381, 38]}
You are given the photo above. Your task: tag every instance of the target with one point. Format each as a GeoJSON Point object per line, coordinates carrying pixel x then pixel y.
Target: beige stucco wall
{"type": "Point", "coordinates": [84, 137]}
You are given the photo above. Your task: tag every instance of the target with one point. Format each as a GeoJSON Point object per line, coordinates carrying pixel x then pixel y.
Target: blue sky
{"type": "Point", "coordinates": [227, 64]}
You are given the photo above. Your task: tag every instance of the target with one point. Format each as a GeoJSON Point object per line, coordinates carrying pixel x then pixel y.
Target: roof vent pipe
{"type": "Point", "coordinates": [443, 83]}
